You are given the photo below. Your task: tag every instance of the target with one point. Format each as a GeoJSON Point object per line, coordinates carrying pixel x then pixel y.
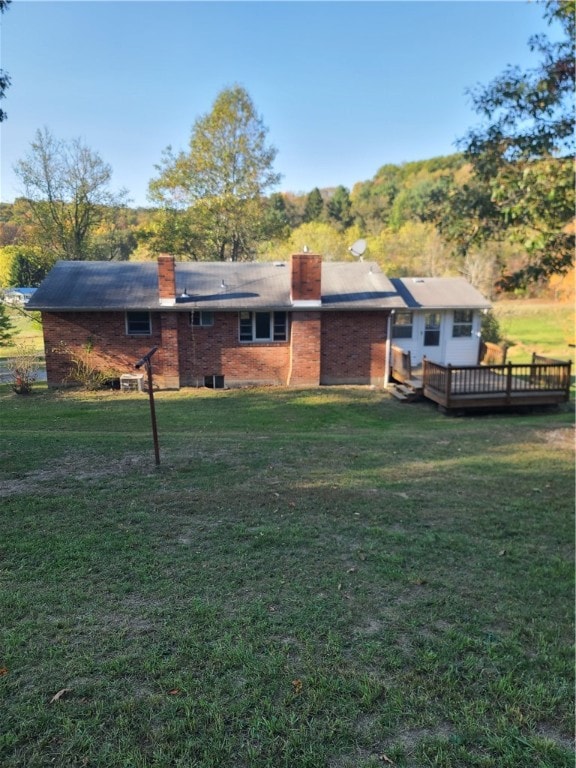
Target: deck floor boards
{"type": "Point", "coordinates": [542, 383]}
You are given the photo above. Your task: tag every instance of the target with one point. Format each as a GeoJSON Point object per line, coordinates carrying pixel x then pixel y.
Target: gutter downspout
{"type": "Point", "coordinates": [387, 382]}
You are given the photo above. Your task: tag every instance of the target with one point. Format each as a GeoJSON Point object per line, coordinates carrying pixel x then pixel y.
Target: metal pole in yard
{"type": "Point", "coordinates": [147, 363]}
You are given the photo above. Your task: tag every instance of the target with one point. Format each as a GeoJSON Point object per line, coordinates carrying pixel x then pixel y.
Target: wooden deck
{"type": "Point", "coordinates": [544, 381]}
{"type": "Point", "coordinates": [496, 386]}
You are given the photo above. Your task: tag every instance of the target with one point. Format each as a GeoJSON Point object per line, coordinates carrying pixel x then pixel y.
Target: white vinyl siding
{"type": "Point", "coordinates": [459, 350]}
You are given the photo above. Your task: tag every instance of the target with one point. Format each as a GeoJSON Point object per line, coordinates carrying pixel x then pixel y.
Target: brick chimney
{"type": "Point", "coordinates": [306, 285]}
{"type": "Point", "coordinates": [166, 280]}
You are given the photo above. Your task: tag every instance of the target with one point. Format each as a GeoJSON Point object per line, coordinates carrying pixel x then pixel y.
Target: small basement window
{"type": "Point", "coordinates": [138, 324]}
{"type": "Point", "coordinates": [402, 325]}
{"type": "Point", "coordinates": [200, 319]}
{"type": "Point", "coordinates": [462, 327]}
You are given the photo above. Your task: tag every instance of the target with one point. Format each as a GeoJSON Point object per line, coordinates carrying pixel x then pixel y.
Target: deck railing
{"type": "Point", "coordinates": [401, 363]}
{"type": "Point", "coordinates": [507, 380]}
{"type": "Point", "coordinates": [492, 354]}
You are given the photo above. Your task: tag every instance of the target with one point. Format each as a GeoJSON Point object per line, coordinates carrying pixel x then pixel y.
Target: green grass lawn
{"type": "Point", "coordinates": [311, 579]}
{"type": "Point", "coordinates": [27, 330]}
{"type": "Point", "coordinates": [537, 326]}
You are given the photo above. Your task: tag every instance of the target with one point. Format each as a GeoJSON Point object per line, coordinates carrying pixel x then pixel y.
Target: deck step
{"type": "Point", "coordinates": [414, 384]}
{"type": "Point", "coordinates": [405, 393]}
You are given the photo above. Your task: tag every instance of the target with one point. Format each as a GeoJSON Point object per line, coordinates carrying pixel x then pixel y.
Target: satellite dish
{"type": "Point", "coordinates": [358, 248]}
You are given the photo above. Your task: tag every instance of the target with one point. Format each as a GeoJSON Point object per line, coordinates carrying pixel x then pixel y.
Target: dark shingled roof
{"type": "Point", "coordinates": [439, 293]}
{"type": "Point", "coordinates": [108, 286]}
{"type": "Point", "coordinates": [98, 285]}
{"type": "Point", "coordinates": [117, 286]}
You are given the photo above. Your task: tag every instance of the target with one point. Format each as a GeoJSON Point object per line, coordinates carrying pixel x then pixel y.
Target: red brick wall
{"type": "Point", "coordinates": [169, 361]}
{"type": "Point", "coordinates": [305, 340]}
{"type": "Point", "coordinates": [106, 331]}
{"type": "Point", "coordinates": [217, 350]}
{"type": "Point", "coordinates": [353, 348]}
{"type": "Point", "coordinates": [166, 277]}
{"type": "Point", "coordinates": [324, 348]}
{"type": "Point", "coordinates": [306, 269]}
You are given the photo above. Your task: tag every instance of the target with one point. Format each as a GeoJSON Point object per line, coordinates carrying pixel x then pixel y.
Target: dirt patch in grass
{"type": "Point", "coordinates": [80, 468]}
{"type": "Point", "coordinates": [411, 738]}
{"type": "Point", "coordinates": [557, 438]}
{"type": "Point", "coordinates": [407, 741]}
{"type": "Point", "coordinates": [552, 734]}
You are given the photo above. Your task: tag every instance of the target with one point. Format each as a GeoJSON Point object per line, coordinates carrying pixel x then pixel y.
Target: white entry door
{"type": "Point", "coordinates": [432, 346]}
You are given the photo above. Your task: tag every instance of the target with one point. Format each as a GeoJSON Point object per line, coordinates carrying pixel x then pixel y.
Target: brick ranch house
{"type": "Point", "coordinates": [300, 323]}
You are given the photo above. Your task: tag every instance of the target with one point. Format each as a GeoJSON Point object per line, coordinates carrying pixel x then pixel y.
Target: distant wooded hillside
{"type": "Point", "coordinates": [398, 212]}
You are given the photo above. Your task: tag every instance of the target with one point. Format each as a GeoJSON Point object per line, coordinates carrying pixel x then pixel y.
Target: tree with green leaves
{"type": "Point", "coordinates": [171, 231]}
{"type": "Point", "coordinates": [314, 207]}
{"type": "Point", "coordinates": [6, 327]}
{"type": "Point", "coordinates": [523, 154]}
{"type": "Point", "coordinates": [28, 267]}
{"type": "Point", "coordinates": [221, 181]}
{"type": "Point", "coordinates": [339, 208]}
{"type": "Point", "coordinates": [391, 198]}
{"type": "Point", "coordinates": [276, 222]}
{"type": "Point", "coordinates": [414, 202]}
{"type": "Point", "coordinates": [463, 213]}
{"type": "Point", "coordinates": [67, 196]}
{"type": "Point", "coordinates": [317, 237]}
{"type": "Point", "coordinates": [4, 76]}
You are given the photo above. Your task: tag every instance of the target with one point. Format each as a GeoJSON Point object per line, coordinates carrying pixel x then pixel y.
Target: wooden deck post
{"type": "Point", "coordinates": [509, 382]}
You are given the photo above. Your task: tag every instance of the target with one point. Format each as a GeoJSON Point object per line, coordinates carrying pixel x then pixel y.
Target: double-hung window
{"type": "Point", "coordinates": [462, 326]}
{"type": "Point", "coordinates": [263, 326]}
{"type": "Point", "coordinates": [138, 324]}
{"type": "Point", "coordinates": [199, 319]}
{"type": "Point", "coordinates": [402, 325]}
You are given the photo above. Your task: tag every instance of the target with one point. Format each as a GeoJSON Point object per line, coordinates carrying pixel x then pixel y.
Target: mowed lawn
{"type": "Point", "coordinates": [316, 578]}
{"type": "Point", "coordinates": [540, 326]}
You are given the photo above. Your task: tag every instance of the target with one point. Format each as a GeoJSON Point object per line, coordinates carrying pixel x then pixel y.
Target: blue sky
{"type": "Point", "coordinates": [343, 87]}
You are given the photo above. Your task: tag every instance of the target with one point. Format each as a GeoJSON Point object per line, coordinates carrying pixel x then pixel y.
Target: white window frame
{"type": "Point", "coordinates": [205, 319]}
{"type": "Point", "coordinates": [143, 332]}
{"type": "Point", "coordinates": [432, 329]}
{"type": "Point", "coordinates": [462, 328]}
{"type": "Point", "coordinates": [402, 326]}
{"type": "Point", "coordinates": [250, 320]}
